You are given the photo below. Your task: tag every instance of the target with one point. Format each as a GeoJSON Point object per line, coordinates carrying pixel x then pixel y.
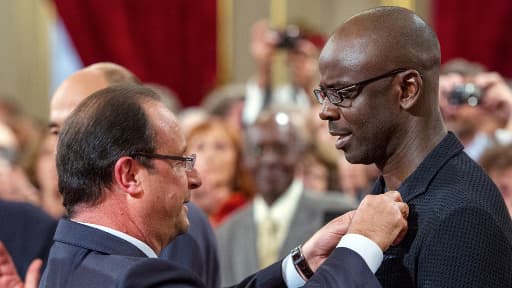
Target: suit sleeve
{"type": "Point", "coordinates": [465, 251]}
{"type": "Point", "coordinates": [344, 268]}
{"type": "Point", "coordinates": [154, 272]}
{"type": "Point", "coordinates": [270, 277]}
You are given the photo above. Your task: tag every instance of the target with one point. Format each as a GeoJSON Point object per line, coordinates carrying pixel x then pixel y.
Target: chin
{"type": "Point", "coordinates": [358, 158]}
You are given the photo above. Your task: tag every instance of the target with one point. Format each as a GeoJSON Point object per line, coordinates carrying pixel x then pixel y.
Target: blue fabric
{"type": "Point", "coordinates": [26, 232]}
{"type": "Point", "coordinates": [196, 249]}
{"type": "Point", "coordinates": [83, 256]}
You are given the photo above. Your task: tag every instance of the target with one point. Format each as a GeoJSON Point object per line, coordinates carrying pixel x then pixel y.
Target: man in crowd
{"type": "Point", "coordinates": [284, 214]}
{"type": "Point", "coordinates": [379, 89]}
{"type": "Point", "coordinates": [125, 183]}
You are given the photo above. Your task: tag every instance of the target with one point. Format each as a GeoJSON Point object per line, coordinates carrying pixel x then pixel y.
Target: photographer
{"type": "Point", "coordinates": [302, 51]}
{"type": "Point", "coordinates": [476, 105]}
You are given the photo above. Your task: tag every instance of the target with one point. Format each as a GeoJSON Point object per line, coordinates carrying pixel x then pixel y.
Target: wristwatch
{"type": "Point", "coordinates": [300, 263]}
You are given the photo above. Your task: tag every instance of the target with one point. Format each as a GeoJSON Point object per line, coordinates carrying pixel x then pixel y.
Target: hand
{"type": "Point", "coordinates": [498, 96]}
{"type": "Point", "coordinates": [304, 65]}
{"type": "Point", "coordinates": [382, 219]}
{"type": "Point", "coordinates": [9, 278]}
{"type": "Point", "coordinates": [322, 243]}
{"type": "Point", "coordinates": [263, 46]}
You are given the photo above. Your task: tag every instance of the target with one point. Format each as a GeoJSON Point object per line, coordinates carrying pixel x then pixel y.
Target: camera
{"type": "Point", "coordinates": [288, 37]}
{"type": "Point", "coordinates": [468, 93]}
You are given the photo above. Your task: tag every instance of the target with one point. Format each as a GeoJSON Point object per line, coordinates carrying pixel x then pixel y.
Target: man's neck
{"type": "Point", "coordinates": [410, 154]}
{"type": "Point", "coordinates": [116, 219]}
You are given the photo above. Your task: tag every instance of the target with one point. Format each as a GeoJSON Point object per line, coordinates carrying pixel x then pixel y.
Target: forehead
{"type": "Point", "coordinates": [347, 57]}
{"type": "Point", "coordinates": [210, 133]}
{"type": "Point", "coordinates": [170, 137]}
{"type": "Point", "coordinates": [270, 132]}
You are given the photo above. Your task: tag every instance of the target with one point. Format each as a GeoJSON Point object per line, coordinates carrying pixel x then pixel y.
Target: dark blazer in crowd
{"type": "Point", "coordinates": [27, 233]}
{"type": "Point", "coordinates": [83, 256]}
{"type": "Point", "coordinates": [196, 249]}
{"type": "Point", "coordinates": [459, 234]}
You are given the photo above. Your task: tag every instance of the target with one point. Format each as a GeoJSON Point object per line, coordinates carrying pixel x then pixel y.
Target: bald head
{"type": "Point", "coordinates": [393, 34]}
{"type": "Point", "coordinates": [82, 84]}
{"type": "Point", "coordinates": [379, 40]}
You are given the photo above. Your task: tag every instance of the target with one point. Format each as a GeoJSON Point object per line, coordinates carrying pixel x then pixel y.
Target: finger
{"type": "Point", "coordinates": [394, 195]}
{"type": "Point", "coordinates": [401, 234]}
{"type": "Point", "coordinates": [6, 263]}
{"type": "Point", "coordinates": [404, 209]}
{"type": "Point", "coordinates": [33, 274]}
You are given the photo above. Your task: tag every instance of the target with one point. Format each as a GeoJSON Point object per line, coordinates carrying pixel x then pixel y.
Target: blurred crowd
{"type": "Point", "coordinates": [258, 143]}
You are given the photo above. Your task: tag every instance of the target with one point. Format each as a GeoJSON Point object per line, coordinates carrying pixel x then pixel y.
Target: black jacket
{"type": "Point", "coordinates": [460, 233]}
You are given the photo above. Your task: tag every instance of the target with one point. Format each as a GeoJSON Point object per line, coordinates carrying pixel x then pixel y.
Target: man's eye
{"type": "Point", "coordinates": [347, 92]}
{"type": "Point", "coordinates": [54, 131]}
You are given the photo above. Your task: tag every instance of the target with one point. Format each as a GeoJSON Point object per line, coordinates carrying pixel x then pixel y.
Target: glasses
{"type": "Point", "coordinates": [343, 96]}
{"type": "Point", "coordinates": [188, 161]}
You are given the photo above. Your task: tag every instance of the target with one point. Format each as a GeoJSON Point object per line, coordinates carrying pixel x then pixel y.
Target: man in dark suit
{"type": "Point", "coordinates": [125, 181]}
{"type": "Point", "coordinates": [195, 249]}
{"type": "Point", "coordinates": [379, 90]}
{"type": "Point", "coordinates": [27, 233]}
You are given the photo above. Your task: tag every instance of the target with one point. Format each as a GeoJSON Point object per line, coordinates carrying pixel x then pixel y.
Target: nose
{"type": "Point", "coordinates": [194, 179]}
{"type": "Point", "coordinates": [329, 111]}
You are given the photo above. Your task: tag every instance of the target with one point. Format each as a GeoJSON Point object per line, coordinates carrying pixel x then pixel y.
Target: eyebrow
{"type": "Point", "coordinates": [337, 84]}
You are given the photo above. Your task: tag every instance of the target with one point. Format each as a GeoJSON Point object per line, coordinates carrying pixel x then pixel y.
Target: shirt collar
{"type": "Point", "coordinates": [283, 208]}
{"type": "Point", "coordinates": [136, 242]}
{"type": "Point", "coordinates": [418, 181]}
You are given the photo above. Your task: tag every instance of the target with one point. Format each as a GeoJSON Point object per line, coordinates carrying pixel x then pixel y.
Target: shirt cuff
{"type": "Point", "coordinates": [290, 275]}
{"type": "Point", "coordinates": [366, 248]}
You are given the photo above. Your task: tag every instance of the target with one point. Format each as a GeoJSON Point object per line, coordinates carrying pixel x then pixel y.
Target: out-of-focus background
{"type": "Point", "coordinates": [192, 46]}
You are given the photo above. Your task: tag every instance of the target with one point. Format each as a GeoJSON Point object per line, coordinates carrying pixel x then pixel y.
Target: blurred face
{"type": "Point", "coordinates": [364, 130]}
{"type": "Point", "coordinates": [167, 185]}
{"type": "Point", "coordinates": [316, 176]}
{"type": "Point", "coordinates": [503, 179]}
{"type": "Point", "coordinates": [325, 142]}
{"type": "Point", "coordinates": [216, 162]}
{"type": "Point", "coordinates": [216, 155]}
{"type": "Point", "coordinates": [271, 156]}
{"type": "Point", "coordinates": [463, 120]}
{"type": "Point", "coordinates": [46, 174]}
{"type": "Point", "coordinates": [353, 177]}
{"type": "Point", "coordinates": [70, 93]}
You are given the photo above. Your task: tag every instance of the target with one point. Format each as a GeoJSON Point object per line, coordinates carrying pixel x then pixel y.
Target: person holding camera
{"type": "Point", "coordinates": [477, 106]}
{"type": "Point", "coordinates": [302, 53]}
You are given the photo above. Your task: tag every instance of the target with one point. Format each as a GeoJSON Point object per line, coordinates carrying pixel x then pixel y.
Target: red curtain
{"type": "Point", "coordinates": [476, 30]}
{"type": "Point", "coordinates": [169, 42]}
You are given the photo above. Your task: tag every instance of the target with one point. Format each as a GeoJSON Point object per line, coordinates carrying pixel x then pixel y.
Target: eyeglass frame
{"type": "Point", "coordinates": [358, 88]}
{"type": "Point", "coordinates": [189, 160]}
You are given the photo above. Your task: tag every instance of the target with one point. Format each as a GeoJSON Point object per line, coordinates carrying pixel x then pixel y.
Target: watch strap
{"type": "Point", "coordinates": [300, 263]}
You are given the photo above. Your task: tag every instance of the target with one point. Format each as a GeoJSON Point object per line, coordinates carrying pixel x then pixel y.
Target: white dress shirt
{"type": "Point", "coordinates": [136, 242]}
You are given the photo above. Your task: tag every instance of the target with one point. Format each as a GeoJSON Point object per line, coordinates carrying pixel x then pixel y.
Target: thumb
{"type": "Point", "coordinates": [33, 274]}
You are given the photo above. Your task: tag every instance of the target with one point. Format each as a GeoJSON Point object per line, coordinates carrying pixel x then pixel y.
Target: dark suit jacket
{"type": "Point", "coordinates": [196, 249]}
{"type": "Point", "coordinates": [27, 233]}
{"type": "Point", "coordinates": [83, 256]}
{"type": "Point", "coordinates": [460, 232]}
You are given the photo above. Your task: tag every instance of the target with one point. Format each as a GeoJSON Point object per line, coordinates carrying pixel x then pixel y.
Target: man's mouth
{"type": "Point", "coordinates": [343, 140]}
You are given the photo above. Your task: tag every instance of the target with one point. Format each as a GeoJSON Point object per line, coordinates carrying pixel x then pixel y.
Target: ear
{"type": "Point", "coordinates": [126, 172]}
{"type": "Point", "coordinates": [411, 86]}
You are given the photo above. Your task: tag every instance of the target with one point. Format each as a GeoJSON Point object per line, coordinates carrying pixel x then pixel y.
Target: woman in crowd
{"type": "Point", "coordinates": [226, 184]}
